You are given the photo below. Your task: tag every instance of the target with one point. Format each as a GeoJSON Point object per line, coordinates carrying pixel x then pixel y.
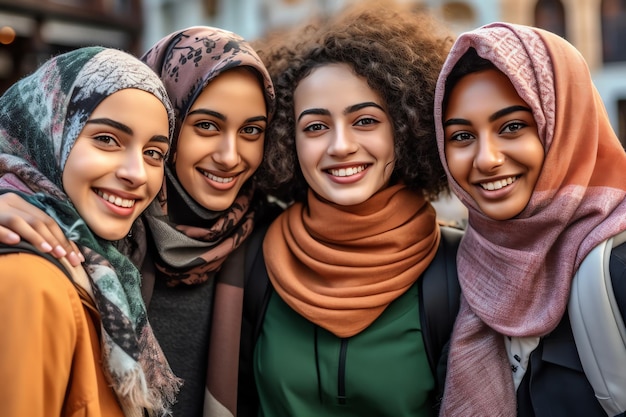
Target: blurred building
{"type": "Point", "coordinates": [33, 30]}
{"type": "Point", "coordinates": [596, 27]}
{"type": "Point", "coordinates": [42, 27]}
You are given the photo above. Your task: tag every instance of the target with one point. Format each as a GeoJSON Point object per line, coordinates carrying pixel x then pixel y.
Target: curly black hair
{"type": "Point", "coordinates": [398, 52]}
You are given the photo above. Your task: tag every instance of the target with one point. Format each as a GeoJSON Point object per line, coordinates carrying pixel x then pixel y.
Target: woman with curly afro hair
{"type": "Point", "coordinates": [339, 331]}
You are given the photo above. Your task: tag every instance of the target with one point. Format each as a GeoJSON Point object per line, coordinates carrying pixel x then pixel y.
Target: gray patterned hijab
{"type": "Point", "coordinates": [41, 117]}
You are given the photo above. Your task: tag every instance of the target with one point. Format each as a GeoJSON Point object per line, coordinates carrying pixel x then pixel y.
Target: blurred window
{"type": "Point", "coordinates": [621, 122]}
{"type": "Point", "coordinates": [550, 15]}
{"type": "Point", "coordinates": [459, 15]}
{"type": "Point", "coordinates": [613, 15]}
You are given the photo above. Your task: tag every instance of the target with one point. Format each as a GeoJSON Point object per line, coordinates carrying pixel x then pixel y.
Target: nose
{"type": "Point", "coordinates": [133, 167]}
{"type": "Point", "coordinates": [227, 153]}
{"type": "Point", "coordinates": [341, 142]}
{"type": "Point", "coordinates": [488, 156]}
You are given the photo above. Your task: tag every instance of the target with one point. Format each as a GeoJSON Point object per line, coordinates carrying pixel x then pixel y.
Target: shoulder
{"type": "Point", "coordinates": [31, 278]}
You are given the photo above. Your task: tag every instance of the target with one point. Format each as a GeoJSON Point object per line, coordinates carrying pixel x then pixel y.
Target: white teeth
{"type": "Point", "coordinates": [218, 179]}
{"type": "Point", "coordinates": [496, 185]}
{"type": "Point", "coordinates": [346, 172]}
{"type": "Point", "coordinates": [118, 201]}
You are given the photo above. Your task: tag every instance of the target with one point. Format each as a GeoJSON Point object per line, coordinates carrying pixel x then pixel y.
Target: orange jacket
{"type": "Point", "coordinates": [50, 358]}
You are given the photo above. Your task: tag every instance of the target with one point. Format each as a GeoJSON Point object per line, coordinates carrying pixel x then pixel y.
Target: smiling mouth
{"type": "Point", "coordinates": [118, 201]}
{"type": "Point", "coordinates": [496, 185]}
{"type": "Point", "coordinates": [223, 180]}
{"type": "Point", "coordinates": [346, 172]}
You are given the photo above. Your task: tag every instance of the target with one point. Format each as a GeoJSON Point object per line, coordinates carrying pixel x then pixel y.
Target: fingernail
{"type": "Point", "coordinates": [59, 251]}
{"type": "Point", "coordinates": [13, 237]}
{"type": "Point", "coordinates": [45, 246]}
{"type": "Point", "coordinates": [74, 259]}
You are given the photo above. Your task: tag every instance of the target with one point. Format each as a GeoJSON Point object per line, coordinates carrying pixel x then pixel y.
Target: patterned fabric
{"type": "Point", "coordinates": [41, 117]}
{"type": "Point", "coordinates": [341, 266]}
{"type": "Point", "coordinates": [187, 61]}
{"type": "Point", "coordinates": [516, 274]}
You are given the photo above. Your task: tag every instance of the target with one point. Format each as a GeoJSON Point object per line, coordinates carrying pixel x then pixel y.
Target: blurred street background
{"type": "Point", "coordinates": [32, 30]}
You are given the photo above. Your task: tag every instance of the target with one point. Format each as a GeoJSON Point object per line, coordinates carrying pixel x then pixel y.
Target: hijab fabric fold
{"type": "Point", "coordinates": [194, 243]}
{"type": "Point", "coordinates": [516, 274]}
{"type": "Point", "coordinates": [41, 116]}
{"type": "Point", "coordinates": [341, 266]}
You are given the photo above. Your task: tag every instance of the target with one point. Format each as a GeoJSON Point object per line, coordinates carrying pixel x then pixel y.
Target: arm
{"type": "Point", "coordinates": [39, 330]}
{"type": "Point", "coordinates": [19, 219]}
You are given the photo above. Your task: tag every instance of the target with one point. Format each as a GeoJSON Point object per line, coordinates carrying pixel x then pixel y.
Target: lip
{"type": "Point", "coordinates": [124, 203]}
{"type": "Point", "coordinates": [220, 180]}
{"type": "Point", "coordinates": [347, 173]}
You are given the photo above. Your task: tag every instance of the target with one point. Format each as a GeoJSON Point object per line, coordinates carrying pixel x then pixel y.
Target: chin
{"type": "Point", "coordinates": [112, 235]}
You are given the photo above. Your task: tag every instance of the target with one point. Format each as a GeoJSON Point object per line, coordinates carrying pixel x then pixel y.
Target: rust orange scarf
{"type": "Point", "coordinates": [341, 266]}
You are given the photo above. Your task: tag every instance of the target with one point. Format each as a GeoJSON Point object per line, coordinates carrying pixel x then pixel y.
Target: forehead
{"type": "Point", "coordinates": [238, 85]}
{"type": "Point", "coordinates": [333, 86]}
{"type": "Point", "coordinates": [475, 90]}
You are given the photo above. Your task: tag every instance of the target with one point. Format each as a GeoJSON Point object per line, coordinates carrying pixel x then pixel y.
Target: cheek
{"type": "Point", "coordinates": [456, 163]}
{"type": "Point", "coordinates": [306, 155]}
{"type": "Point", "coordinates": [252, 153]}
{"type": "Point", "coordinates": [155, 179]}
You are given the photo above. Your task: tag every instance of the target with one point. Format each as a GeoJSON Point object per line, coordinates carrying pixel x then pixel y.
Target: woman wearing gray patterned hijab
{"type": "Point", "coordinates": [202, 221]}
{"type": "Point", "coordinates": [84, 138]}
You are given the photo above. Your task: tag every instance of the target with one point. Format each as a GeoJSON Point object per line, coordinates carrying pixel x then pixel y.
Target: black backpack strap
{"type": "Point", "coordinates": [23, 246]}
{"type": "Point", "coordinates": [439, 298]}
{"type": "Point", "coordinates": [256, 295]}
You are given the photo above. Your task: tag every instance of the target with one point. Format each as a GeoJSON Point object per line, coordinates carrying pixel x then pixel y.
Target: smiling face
{"type": "Point", "coordinates": [492, 146]}
{"type": "Point", "coordinates": [344, 138]}
{"type": "Point", "coordinates": [115, 168]}
{"type": "Point", "coordinates": [220, 145]}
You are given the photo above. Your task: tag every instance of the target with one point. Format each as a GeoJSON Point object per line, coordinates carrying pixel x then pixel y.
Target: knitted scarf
{"type": "Point", "coordinates": [41, 117]}
{"type": "Point", "coordinates": [516, 274]}
{"type": "Point", "coordinates": [193, 242]}
{"type": "Point", "coordinates": [341, 266]}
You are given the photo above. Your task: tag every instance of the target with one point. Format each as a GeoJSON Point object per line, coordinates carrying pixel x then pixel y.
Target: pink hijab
{"type": "Point", "coordinates": [516, 274]}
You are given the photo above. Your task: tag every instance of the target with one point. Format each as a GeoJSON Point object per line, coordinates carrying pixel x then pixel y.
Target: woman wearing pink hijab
{"type": "Point", "coordinates": [528, 148]}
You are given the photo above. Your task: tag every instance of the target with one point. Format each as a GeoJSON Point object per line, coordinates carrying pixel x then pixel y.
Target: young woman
{"type": "Point", "coordinates": [341, 333]}
{"type": "Point", "coordinates": [200, 224]}
{"type": "Point", "coordinates": [529, 149]}
{"type": "Point", "coordinates": [223, 98]}
{"type": "Point", "coordinates": [85, 139]}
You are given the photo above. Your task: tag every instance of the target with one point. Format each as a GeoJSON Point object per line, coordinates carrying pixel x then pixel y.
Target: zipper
{"type": "Point", "coordinates": [341, 377]}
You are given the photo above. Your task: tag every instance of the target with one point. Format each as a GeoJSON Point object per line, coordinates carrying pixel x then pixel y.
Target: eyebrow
{"type": "Point", "coordinates": [508, 110]}
{"type": "Point", "coordinates": [360, 106]}
{"type": "Point", "coordinates": [208, 113]}
{"type": "Point", "coordinates": [222, 117]}
{"type": "Point", "coordinates": [112, 123]}
{"type": "Point", "coordinates": [126, 129]}
{"type": "Point", "coordinates": [348, 110]}
{"type": "Point", "coordinates": [493, 117]}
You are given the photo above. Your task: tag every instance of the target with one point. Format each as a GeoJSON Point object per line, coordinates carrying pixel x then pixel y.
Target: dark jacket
{"type": "Point", "coordinates": [555, 384]}
{"type": "Point", "coordinates": [439, 303]}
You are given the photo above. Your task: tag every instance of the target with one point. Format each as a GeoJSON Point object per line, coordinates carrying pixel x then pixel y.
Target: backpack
{"type": "Point", "coordinates": [23, 246]}
{"type": "Point", "coordinates": [438, 289]}
{"type": "Point", "coordinates": [598, 327]}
